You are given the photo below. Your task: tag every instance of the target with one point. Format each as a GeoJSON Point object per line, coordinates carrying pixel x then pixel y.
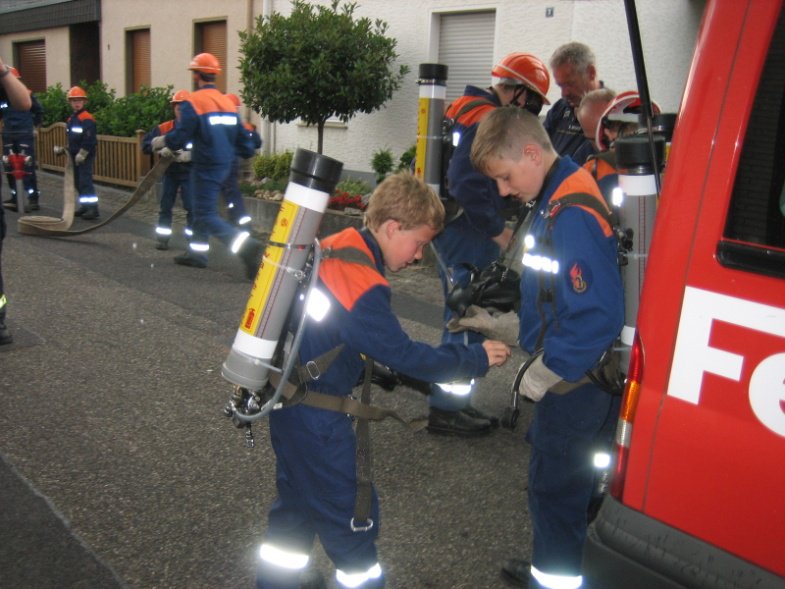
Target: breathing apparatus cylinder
{"type": "Point", "coordinates": [312, 179]}
{"type": "Point", "coordinates": [433, 90]}
{"type": "Point", "coordinates": [637, 181]}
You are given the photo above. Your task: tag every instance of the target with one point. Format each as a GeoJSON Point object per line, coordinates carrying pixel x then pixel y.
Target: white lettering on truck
{"type": "Point", "coordinates": [694, 356]}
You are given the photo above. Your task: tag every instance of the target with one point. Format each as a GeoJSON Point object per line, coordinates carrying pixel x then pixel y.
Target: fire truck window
{"type": "Point", "coordinates": [755, 227]}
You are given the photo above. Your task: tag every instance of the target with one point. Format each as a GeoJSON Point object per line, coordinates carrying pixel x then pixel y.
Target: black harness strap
{"type": "Point", "coordinates": [296, 391]}
{"type": "Point", "coordinates": [597, 374]}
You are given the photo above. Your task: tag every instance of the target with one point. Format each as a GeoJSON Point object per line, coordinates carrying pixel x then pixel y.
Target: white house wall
{"type": "Point", "coordinates": [668, 29]}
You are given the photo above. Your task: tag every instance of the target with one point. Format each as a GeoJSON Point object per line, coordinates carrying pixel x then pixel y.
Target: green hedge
{"type": "Point", "coordinates": [113, 116]}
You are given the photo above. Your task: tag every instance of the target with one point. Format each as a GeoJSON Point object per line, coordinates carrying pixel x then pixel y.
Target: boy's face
{"type": "Point", "coordinates": [77, 104]}
{"type": "Point", "coordinates": [400, 247]}
{"type": "Point", "coordinates": [521, 178]}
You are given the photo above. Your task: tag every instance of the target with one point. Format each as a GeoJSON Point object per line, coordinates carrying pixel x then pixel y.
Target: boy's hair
{"type": "Point", "coordinates": [579, 55]}
{"type": "Point", "coordinates": [407, 199]}
{"type": "Point", "coordinates": [600, 95]}
{"type": "Point", "coordinates": [503, 133]}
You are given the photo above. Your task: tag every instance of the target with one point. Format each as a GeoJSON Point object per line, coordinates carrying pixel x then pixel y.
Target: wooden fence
{"type": "Point", "coordinates": [118, 160]}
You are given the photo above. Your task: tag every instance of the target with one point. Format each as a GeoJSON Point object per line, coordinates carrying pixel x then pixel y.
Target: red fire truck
{"type": "Point", "coordinates": [698, 493]}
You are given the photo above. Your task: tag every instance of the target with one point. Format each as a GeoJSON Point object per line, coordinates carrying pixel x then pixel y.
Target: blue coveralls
{"type": "Point", "coordinates": [176, 177]}
{"type": "Point", "coordinates": [581, 305]}
{"type": "Point", "coordinates": [82, 134]}
{"type": "Point", "coordinates": [18, 138]}
{"type": "Point", "coordinates": [233, 198]}
{"type": "Point", "coordinates": [468, 238]}
{"type": "Point", "coordinates": [316, 448]}
{"type": "Point", "coordinates": [566, 132]}
{"type": "Point", "coordinates": [209, 120]}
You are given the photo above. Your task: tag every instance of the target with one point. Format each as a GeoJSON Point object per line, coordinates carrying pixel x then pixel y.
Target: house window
{"type": "Point", "coordinates": [138, 54]}
{"type": "Point", "coordinates": [30, 60]}
{"type": "Point", "coordinates": [211, 38]}
{"type": "Point", "coordinates": [466, 48]}
{"type": "Point", "coordinates": [754, 236]}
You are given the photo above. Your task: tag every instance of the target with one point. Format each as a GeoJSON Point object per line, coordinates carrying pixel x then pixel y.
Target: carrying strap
{"type": "Point", "coordinates": [296, 390]}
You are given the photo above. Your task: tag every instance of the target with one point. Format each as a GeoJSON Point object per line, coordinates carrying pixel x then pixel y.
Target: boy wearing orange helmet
{"type": "Point", "coordinates": [209, 120]}
{"type": "Point", "coordinates": [82, 141]}
{"type": "Point", "coordinates": [176, 178]}
{"type": "Point", "coordinates": [477, 233]}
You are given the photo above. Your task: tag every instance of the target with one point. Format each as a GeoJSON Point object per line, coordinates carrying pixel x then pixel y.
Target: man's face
{"type": "Point", "coordinates": [522, 178]}
{"type": "Point", "coordinates": [77, 104]}
{"type": "Point", "coordinates": [404, 246]}
{"type": "Point", "coordinates": [573, 84]}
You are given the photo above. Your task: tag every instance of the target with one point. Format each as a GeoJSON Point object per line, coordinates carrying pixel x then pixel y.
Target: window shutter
{"type": "Point", "coordinates": [213, 37]}
{"type": "Point", "coordinates": [140, 59]}
{"type": "Point", "coordinates": [466, 48]}
{"type": "Point", "coordinates": [31, 63]}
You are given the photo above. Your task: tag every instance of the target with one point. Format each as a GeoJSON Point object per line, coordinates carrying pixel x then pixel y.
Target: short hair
{"type": "Point", "coordinates": [407, 199]}
{"type": "Point", "coordinates": [577, 54]}
{"type": "Point", "coordinates": [600, 95]}
{"type": "Point", "coordinates": [503, 133]}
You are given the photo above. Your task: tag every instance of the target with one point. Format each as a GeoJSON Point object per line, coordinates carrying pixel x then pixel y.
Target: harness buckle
{"type": "Point", "coordinates": [355, 528]}
{"type": "Point", "coordinates": [312, 368]}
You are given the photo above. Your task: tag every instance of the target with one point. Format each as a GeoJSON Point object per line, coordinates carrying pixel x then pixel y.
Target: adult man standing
{"type": "Point", "coordinates": [209, 120]}
{"type": "Point", "coordinates": [575, 72]}
{"type": "Point", "coordinates": [475, 232]}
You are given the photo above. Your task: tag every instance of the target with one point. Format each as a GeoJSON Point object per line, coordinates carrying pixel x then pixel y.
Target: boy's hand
{"type": "Point", "coordinates": [498, 352]}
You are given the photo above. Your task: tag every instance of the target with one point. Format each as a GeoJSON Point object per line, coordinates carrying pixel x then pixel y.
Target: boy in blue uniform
{"type": "Point", "coordinates": [316, 448]}
{"type": "Point", "coordinates": [82, 141]}
{"type": "Point", "coordinates": [571, 311]}
{"type": "Point", "coordinates": [477, 234]}
{"type": "Point", "coordinates": [208, 119]}
{"type": "Point", "coordinates": [176, 177]}
{"type": "Point", "coordinates": [18, 138]}
{"type": "Point", "coordinates": [15, 93]}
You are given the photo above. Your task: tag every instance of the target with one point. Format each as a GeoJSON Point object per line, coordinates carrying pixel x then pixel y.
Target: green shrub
{"type": "Point", "coordinates": [141, 110]}
{"type": "Point", "coordinates": [382, 163]}
{"type": "Point", "coordinates": [405, 161]}
{"type": "Point", "coordinates": [353, 186]}
{"type": "Point", "coordinates": [273, 167]}
{"type": "Point", "coordinates": [120, 117]}
{"type": "Point", "coordinates": [55, 105]}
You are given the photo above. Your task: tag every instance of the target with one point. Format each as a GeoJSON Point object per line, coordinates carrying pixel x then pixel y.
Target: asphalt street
{"type": "Point", "coordinates": [118, 468]}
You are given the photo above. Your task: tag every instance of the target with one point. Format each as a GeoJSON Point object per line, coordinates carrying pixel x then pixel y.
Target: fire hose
{"type": "Point", "coordinates": [60, 227]}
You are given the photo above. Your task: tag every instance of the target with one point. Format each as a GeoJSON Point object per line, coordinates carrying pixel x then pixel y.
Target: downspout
{"type": "Point", "coordinates": [268, 128]}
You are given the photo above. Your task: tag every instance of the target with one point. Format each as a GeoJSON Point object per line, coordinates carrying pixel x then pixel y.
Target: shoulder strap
{"type": "Point", "coordinates": [350, 254]}
{"type": "Point", "coordinates": [583, 200]}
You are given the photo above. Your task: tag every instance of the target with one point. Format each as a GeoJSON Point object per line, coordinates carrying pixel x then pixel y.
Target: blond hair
{"type": "Point", "coordinates": [503, 133]}
{"type": "Point", "coordinates": [404, 198]}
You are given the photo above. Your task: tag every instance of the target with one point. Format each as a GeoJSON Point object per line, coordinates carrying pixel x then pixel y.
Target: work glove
{"type": "Point", "coordinates": [59, 150]}
{"type": "Point", "coordinates": [537, 379]}
{"type": "Point", "coordinates": [80, 157]}
{"type": "Point", "coordinates": [182, 157]}
{"type": "Point", "coordinates": [158, 142]}
{"type": "Point", "coordinates": [166, 153]}
{"type": "Point", "coordinates": [500, 326]}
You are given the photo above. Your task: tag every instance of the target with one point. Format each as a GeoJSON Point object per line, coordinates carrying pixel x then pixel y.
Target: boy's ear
{"type": "Point", "coordinates": [389, 227]}
{"type": "Point", "coordinates": [532, 151]}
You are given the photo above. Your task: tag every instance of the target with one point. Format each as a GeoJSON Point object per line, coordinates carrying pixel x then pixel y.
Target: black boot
{"type": "Point", "coordinates": [162, 243]}
{"type": "Point", "coordinates": [5, 333]}
{"type": "Point", "coordinates": [90, 213]}
{"type": "Point", "coordinates": [456, 423]}
{"type": "Point", "coordinates": [33, 203]}
{"type": "Point", "coordinates": [477, 414]}
{"type": "Point", "coordinates": [11, 204]}
{"type": "Point", "coordinates": [516, 572]}
{"type": "Point", "coordinates": [80, 211]}
{"type": "Point", "coordinates": [189, 260]}
{"type": "Point", "coordinates": [251, 254]}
